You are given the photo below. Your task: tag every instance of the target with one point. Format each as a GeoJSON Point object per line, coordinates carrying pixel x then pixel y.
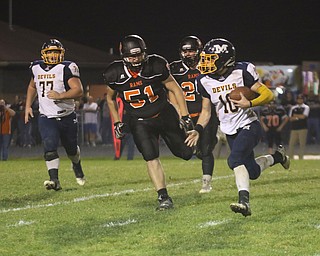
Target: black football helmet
{"type": "Point", "coordinates": [49, 57]}
{"type": "Point", "coordinates": [190, 43]}
{"type": "Point", "coordinates": [133, 46]}
{"type": "Point", "coordinates": [216, 55]}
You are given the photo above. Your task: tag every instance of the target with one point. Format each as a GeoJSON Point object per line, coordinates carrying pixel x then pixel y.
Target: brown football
{"type": "Point", "coordinates": [249, 94]}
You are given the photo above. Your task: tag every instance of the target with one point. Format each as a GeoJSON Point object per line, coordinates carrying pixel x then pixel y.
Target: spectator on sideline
{"type": "Point", "coordinates": [15, 129]}
{"type": "Point", "coordinates": [273, 118]}
{"type": "Point", "coordinates": [6, 114]}
{"type": "Point", "coordinates": [298, 115]}
{"type": "Point", "coordinates": [220, 74]}
{"type": "Point", "coordinates": [90, 110]}
{"type": "Point", "coordinates": [287, 101]}
{"type": "Point", "coordinates": [105, 121]}
{"type": "Point", "coordinates": [313, 119]}
{"type": "Point", "coordinates": [185, 72]}
{"type": "Point", "coordinates": [142, 81]}
{"type": "Point", "coordinates": [57, 83]}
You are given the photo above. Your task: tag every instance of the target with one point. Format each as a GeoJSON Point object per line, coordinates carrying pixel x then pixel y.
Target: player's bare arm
{"type": "Point", "coordinates": [31, 95]}
{"type": "Point", "coordinates": [193, 136]}
{"type": "Point", "coordinates": [112, 104]}
{"type": "Point", "coordinates": [172, 85]}
{"type": "Point", "coordinates": [173, 101]}
{"type": "Point", "coordinates": [76, 90]}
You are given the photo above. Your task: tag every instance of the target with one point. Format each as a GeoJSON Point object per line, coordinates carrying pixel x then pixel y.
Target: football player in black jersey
{"type": "Point", "coordinates": [185, 72]}
{"type": "Point", "coordinates": [141, 81]}
{"type": "Point", "coordinates": [57, 83]}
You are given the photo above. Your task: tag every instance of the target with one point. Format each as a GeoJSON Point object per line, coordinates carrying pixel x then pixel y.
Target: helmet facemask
{"type": "Point", "coordinates": [52, 52]}
{"type": "Point", "coordinates": [207, 63]}
{"type": "Point", "coordinates": [190, 57]}
{"type": "Point", "coordinates": [189, 51]}
{"type": "Point", "coordinates": [217, 56]}
{"type": "Point", "coordinates": [135, 61]}
{"type": "Point", "coordinates": [52, 55]}
{"type": "Point", "coordinates": [133, 51]}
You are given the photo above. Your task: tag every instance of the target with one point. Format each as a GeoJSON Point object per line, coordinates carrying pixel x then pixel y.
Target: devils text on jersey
{"type": "Point", "coordinates": [217, 89]}
{"type": "Point", "coordinates": [55, 78]}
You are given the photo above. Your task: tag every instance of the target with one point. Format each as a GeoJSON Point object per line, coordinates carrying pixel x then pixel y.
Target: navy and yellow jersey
{"type": "Point", "coordinates": [143, 93]}
{"type": "Point", "coordinates": [273, 116]}
{"type": "Point", "coordinates": [217, 89]}
{"type": "Point", "coordinates": [53, 77]}
{"type": "Point", "coordinates": [186, 79]}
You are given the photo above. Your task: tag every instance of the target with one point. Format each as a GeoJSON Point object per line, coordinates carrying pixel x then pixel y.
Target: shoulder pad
{"type": "Point", "coordinates": [111, 73]}
{"type": "Point", "coordinates": [177, 67]}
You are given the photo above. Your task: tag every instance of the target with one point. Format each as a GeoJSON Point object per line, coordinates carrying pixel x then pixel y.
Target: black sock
{"type": "Point", "coordinates": [162, 194]}
{"type": "Point", "coordinates": [53, 173]}
{"type": "Point", "coordinates": [243, 196]}
{"type": "Point", "coordinates": [78, 170]}
{"type": "Point", "coordinates": [277, 157]}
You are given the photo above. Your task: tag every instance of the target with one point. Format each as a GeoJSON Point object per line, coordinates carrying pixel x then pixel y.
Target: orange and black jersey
{"type": "Point", "coordinates": [143, 93]}
{"type": "Point", "coordinates": [186, 79]}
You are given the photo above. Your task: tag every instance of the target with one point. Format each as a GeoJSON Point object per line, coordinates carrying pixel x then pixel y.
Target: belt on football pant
{"type": "Point", "coordinates": [194, 114]}
{"type": "Point", "coordinates": [147, 118]}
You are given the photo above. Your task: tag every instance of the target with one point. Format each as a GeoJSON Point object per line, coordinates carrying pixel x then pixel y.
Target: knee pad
{"type": "Point", "coordinates": [232, 163]}
{"type": "Point", "coordinates": [75, 157]}
{"type": "Point", "coordinates": [49, 156]}
{"type": "Point", "coordinates": [72, 151]}
{"type": "Point", "coordinates": [254, 172]}
{"type": "Point", "coordinates": [187, 154]}
{"type": "Point", "coordinates": [198, 154]}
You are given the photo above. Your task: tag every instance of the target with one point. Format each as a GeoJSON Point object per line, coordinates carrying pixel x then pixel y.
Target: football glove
{"type": "Point", "coordinates": [186, 123]}
{"type": "Point", "coordinates": [119, 130]}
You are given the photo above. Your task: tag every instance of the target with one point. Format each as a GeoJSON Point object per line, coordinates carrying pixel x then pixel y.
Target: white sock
{"type": "Point", "coordinates": [53, 164]}
{"type": "Point", "coordinates": [264, 161]}
{"type": "Point", "coordinates": [206, 177]}
{"type": "Point", "coordinates": [242, 177]}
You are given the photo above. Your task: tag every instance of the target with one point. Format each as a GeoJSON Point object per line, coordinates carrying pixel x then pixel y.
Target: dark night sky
{"type": "Point", "coordinates": [278, 31]}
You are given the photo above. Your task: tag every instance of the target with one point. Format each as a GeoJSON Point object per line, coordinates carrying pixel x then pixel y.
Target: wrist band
{"type": "Point", "coordinates": [198, 128]}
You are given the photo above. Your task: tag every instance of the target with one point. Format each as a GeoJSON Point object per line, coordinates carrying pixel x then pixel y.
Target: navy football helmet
{"type": "Point", "coordinates": [216, 55]}
{"type": "Point", "coordinates": [133, 47]}
{"type": "Point", "coordinates": [52, 52]}
{"type": "Point", "coordinates": [187, 44]}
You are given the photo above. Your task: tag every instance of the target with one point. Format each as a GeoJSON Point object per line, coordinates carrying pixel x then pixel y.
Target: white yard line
{"type": "Point", "coordinates": [119, 223]}
{"type": "Point", "coordinates": [86, 198]}
{"type": "Point", "coordinates": [212, 223]}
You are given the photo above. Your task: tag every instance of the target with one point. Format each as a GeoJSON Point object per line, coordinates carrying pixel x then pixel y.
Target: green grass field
{"type": "Point", "coordinates": [114, 213]}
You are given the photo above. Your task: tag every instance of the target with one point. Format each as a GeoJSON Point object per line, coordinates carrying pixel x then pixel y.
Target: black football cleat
{"type": "Point", "coordinates": [243, 208]}
{"type": "Point", "coordinates": [50, 184]}
{"type": "Point", "coordinates": [285, 159]}
{"type": "Point", "coordinates": [165, 204]}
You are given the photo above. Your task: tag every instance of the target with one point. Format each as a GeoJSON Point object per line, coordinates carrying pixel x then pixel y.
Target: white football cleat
{"type": "Point", "coordinates": [206, 186]}
{"type": "Point", "coordinates": [81, 181]}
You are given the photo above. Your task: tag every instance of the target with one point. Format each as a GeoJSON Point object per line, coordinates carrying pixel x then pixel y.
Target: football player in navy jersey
{"type": "Point", "coordinates": [57, 83]}
{"type": "Point", "coordinates": [219, 75]}
{"type": "Point", "coordinates": [141, 81]}
{"type": "Point", "coordinates": [185, 72]}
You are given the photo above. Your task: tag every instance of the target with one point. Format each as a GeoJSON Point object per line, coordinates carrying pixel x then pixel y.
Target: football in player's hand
{"type": "Point", "coordinates": [249, 94]}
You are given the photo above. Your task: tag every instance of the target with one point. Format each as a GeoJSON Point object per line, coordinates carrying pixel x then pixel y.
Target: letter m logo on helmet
{"type": "Point", "coordinates": [217, 48]}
